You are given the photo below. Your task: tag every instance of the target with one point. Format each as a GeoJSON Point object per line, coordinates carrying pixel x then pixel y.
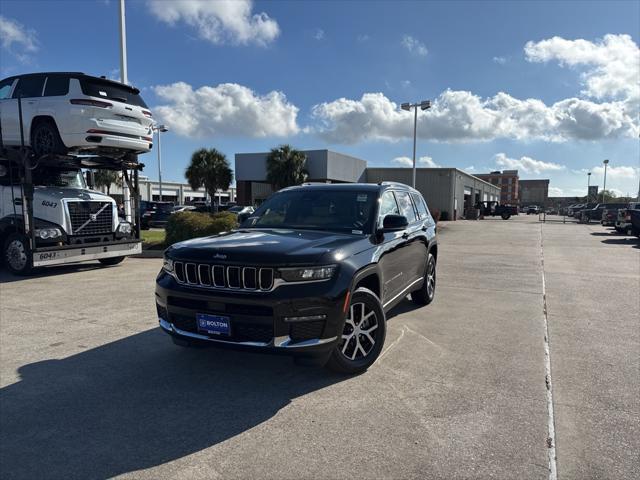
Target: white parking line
{"type": "Point", "coordinates": [551, 438]}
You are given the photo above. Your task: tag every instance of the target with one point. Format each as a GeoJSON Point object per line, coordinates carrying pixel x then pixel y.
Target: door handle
{"type": "Point", "coordinates": [405, 235]}
{"type": "Point", "coordinates": [17, 201]}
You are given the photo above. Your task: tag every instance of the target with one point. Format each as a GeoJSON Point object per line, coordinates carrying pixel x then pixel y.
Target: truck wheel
{"type": "Point", "coordinates": [426, 293]}
{"type": "Point", "coordinates": [17, 255]}
{"type": "Point", "coordinates": [505, 216]}
{"type": "Point", "coordinates": [111, 261]}
{"type": "Point", "coordinates": [363, 334]}
{"type": "Point", "coordinates": [45, 139]}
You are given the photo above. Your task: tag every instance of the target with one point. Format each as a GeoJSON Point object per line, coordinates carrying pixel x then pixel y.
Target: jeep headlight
{"type": "Point", "coordinates": [124, 228]}
{"type": "Point", "coordinates": [46, 233]}
{"type": "Point", "coordinates": [167, 265]}
{"type": "Point", "coordinates": [307, 274]}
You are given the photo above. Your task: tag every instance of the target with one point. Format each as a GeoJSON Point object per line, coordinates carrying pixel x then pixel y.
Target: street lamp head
{"type": "Point", "coordinates": [425, 104]}
{"type": "Point", "coordinates": [605, 162]}
{"type": "Point", "coordinates": [161, 128]}
{"type": "Point", "coordinates": [406, 106]}
{"type": "Point", "coordinates": [589, 173]}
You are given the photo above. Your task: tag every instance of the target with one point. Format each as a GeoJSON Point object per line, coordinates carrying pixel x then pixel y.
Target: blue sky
{"type": "Point", "coordinates": [550, 88]}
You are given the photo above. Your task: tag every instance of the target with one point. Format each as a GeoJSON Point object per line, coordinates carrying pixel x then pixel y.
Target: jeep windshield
{"type": "Point", "coordinates": [349, 211]}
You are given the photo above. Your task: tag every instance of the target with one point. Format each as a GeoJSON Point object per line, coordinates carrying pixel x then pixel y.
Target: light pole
{"type": "Point", "coordinates": [126, 194]}
{"type": "Point", "coordinates": [604, 186]}
{"type": "Point", "coordinates": [424, 105]}
{"type": "Point", "coordinates": [588, 186]}
{"type": "Point", "coordinates": [160, 129]}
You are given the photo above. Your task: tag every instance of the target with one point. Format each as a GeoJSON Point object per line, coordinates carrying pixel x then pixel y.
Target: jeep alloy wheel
{"type": "Point", "coordinates": [359, 335]}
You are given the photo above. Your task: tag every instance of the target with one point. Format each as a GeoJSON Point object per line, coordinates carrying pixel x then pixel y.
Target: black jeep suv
{"type": "Point", "coordinates": [312, 273]}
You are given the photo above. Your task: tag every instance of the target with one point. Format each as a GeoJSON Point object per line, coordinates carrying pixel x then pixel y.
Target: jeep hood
{"type": "Point", "coordinates": [269, 247]}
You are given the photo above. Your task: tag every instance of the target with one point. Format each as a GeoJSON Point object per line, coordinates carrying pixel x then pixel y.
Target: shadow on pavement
{"type": "Point", "coordinates": [621, 241]}
{"type": "Point", "coordinates": [137, 403]}
{"type": "Point", "coordinates": [6, 276]}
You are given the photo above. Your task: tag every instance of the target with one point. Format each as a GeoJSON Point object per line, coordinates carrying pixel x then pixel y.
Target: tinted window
{"type": "Point", "coordinates": [56, 86]}
{"type": "Point", "coordinates": [30, 86]}
{"type": "Point", "coordinates": [388, 206]}
{"type": "Point", "coordinates": [5, 88]}
{"type": "Point", "coordinates": [406, 207]}
{"type": "Point", "coordinates": [104, 89]}
{"type": "Point", "coordinates": [420, 206]}
{"type": "Point", "coordinates": [347, 211]}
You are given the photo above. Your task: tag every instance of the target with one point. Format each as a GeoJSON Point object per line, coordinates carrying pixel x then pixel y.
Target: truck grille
{"type": "Point", "coordinates": [224, 276]}
{"type": "Point", "coordinates": [89, 218]}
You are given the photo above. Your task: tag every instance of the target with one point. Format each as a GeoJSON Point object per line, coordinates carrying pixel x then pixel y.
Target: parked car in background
{"type": "Point", "coordinates": [595, 213]}
{"type": "Point", "coordinates": [571, 210]}
{"type": "Point", "coordinates": [623, 221]}
{"type": "Point", "coordinates": [494, 209]}
{"type": "Point", "coordinates": [610, 215]}
{"type": "Point", "coordinates": [183, 208]}
{"type": "Point", "coordinates": [156, 215]}
{"type": "Point", "coordinates": [242, 213]}
{"type": "Point", "coordinates": [533, 210]}
{"type": "Point", "coordinates": [70, 112]}
{"type": "Point", "coordinates": [585, 206]}
{"type": "Point", "coordinates": [633, 217]}
{"type": "Point", "coordinates": [311, 273]}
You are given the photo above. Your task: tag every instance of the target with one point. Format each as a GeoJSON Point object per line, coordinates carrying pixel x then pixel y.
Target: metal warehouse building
{"type": "Point", "coordinates": [449, 190]}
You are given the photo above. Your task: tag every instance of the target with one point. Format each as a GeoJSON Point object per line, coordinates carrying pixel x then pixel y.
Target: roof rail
{"type": "Point", "coordinates": [400, 184]}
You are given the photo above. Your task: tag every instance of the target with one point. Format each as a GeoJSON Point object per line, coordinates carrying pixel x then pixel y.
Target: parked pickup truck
{"type": "Point", "coordinates": [623, 221]}
{"type": "Point", "coordinates": [633, 217]}
{"type": "Point", "coordinates": [595, 213]}
{"type": "Point", "coordinates": [494, 209]}
{"type": "Point", "coordinates": [609, 216]}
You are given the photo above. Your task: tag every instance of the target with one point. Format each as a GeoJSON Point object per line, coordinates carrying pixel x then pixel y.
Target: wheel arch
{"type": "Point", "coordinates": [368, 277]}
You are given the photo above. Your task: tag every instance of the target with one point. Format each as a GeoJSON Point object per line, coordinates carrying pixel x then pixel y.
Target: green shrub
{"type": "Point", "coordinates": [186, 225]}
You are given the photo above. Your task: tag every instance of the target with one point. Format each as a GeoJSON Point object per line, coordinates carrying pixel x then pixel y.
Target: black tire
{"type": "Point", "coordinates": [45, 139]}
{"type": "Point", "coordinates": [347, 357]}
{"type": "Point", "coordinates": [427, 292]}
{"type": "Point", "coordinates": [111, 261]}
{"type": "Point", "coordinates": [505, 216]}
{"type": "Point", "coordinates": [16, 254]}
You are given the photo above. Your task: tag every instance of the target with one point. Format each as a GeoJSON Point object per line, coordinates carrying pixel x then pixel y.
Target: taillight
{"type": "Point", "coordinates": [90, 103]}
{"type": "Point", "coordinates": [147, 113]}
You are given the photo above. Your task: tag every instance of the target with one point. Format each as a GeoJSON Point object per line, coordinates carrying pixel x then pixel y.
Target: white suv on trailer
{"type": "Point", "coordinates": [70, 112]}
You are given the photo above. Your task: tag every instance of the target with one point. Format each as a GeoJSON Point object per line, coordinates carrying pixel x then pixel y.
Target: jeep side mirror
{"type": "Point", "coordinates": [243, 216]}
{"type": "Point", "coordinates": [394, 223]}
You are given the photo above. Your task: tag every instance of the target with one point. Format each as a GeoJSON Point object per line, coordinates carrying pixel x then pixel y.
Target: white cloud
{"type": "Point", "coordinates": [363, 37]}
{"type": "Point", "coordinates": [556, 192]}
{"type": "Point", "coordinates": [17, 39]}
{"type": "Point", "coordinates": [414, 45]}
{"type": "Point", "coordinates": [226, 109]}
{"type": "Point", "coordinates": [500, 60]}
{"type": "Point", "coordinates": [406, 83]}
{"type": "Point", "coordinates": [460, 116]}
{"type": "Point", "coordinates": [526, 164]}
{"type": "Point", "coordinates": [617, 173]}
{"type": "Point", "coordinates": [220, 21]}
{"type": "Point", "coordinates": [319, 34]}
{"type": "Point", "coordinates": [428, 162]}
{"type": "Point", "coordinates": [470, 168]}
{"type": "Point", "coordinates": [403, 161]}
{"type": "Point", "coordinates": [612, 64]}
{"type": "Point", "coordinates": [425, 161]}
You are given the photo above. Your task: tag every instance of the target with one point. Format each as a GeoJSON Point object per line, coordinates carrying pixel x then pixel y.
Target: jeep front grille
{"type": "Point", "coordinates": [90, 218]}
{"type": "Point", "coordinates": [229, 277]}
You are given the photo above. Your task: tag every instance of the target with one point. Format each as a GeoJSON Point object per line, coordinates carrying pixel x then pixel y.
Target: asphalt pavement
{"type": "Point", "coordinates": [91, 388]}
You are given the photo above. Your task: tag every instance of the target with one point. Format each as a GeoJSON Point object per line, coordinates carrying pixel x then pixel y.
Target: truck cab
{"type": "Point", "coordinates": [71, 222]}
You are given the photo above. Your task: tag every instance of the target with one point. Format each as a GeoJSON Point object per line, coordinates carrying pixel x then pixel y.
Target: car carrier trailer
{"type": "Point", "coordinates": [48, 216]}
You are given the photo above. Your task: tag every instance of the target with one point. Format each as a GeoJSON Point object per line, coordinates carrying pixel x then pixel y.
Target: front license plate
{"type": "Point", "coordinates": [214, 324]}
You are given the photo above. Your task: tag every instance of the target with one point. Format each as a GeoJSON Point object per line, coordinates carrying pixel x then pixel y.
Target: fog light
{"type": "Point", "coordinates": [307, 318]}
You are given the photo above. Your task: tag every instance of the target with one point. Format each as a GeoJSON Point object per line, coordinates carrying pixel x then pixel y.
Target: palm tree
{"type": "Point", "coordinates": [105, 178]}
{"type": "Point", "coordinates": [286, 167]}
{"type": "Point", "coordinates": [209, 169]}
